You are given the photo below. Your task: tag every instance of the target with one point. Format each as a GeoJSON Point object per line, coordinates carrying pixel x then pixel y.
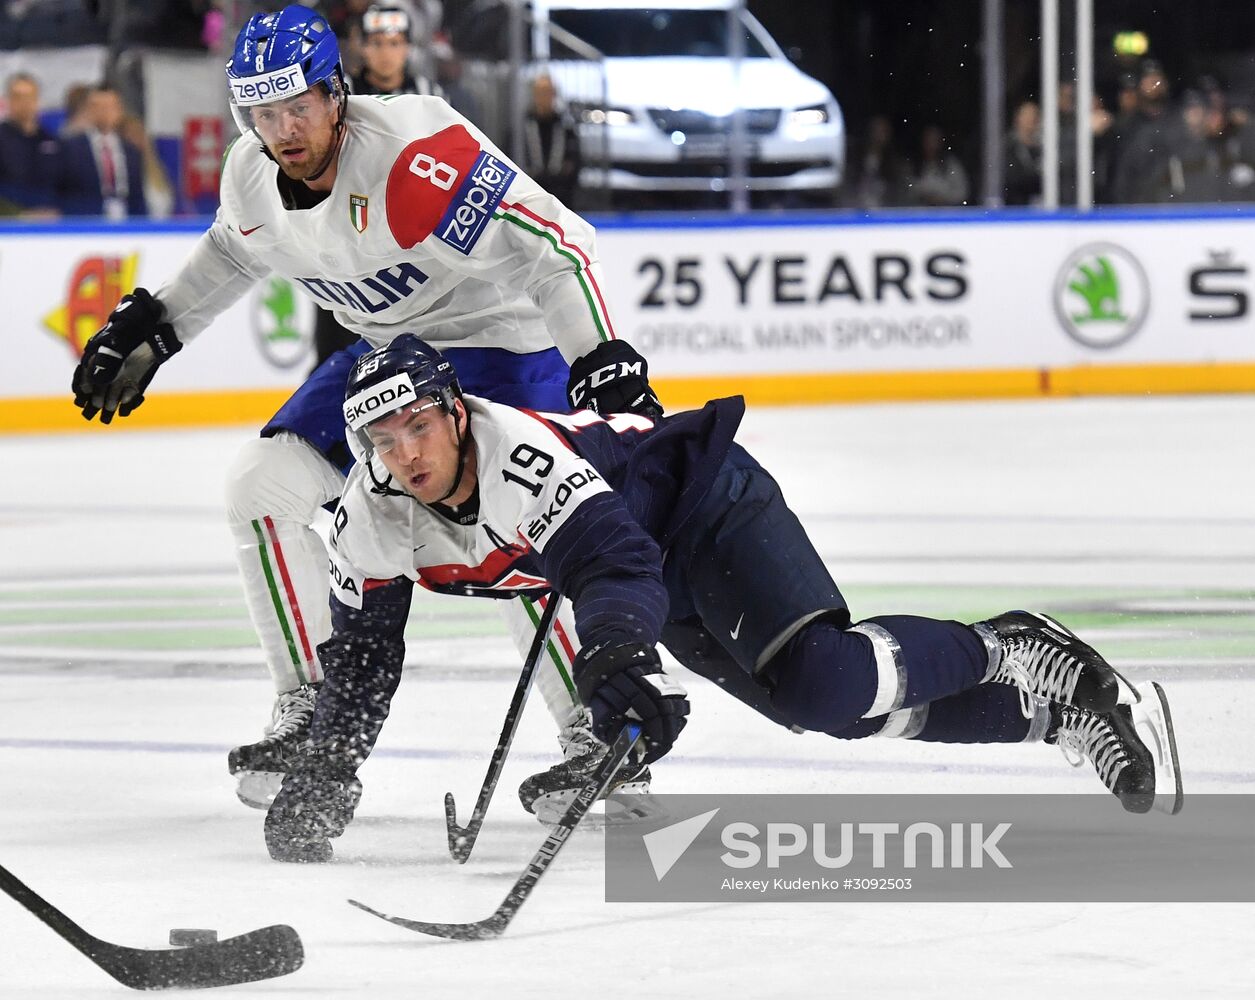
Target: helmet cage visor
{"type": "Point", "coordinates": [259, 103]}
{"type": "Point", "coordinates": [370, 413]}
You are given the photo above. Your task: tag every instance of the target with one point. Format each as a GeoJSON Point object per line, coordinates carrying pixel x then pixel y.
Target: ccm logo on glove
{"type": "Point", "coordinates": [613, 378]}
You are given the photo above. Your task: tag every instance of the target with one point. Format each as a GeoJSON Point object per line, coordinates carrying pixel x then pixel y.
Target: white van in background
{"type": "Point", "coordinates": [658, 115]}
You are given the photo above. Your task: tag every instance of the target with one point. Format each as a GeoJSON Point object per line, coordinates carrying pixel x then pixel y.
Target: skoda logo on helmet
{"type": "Point", "coordinates": [365, 406]}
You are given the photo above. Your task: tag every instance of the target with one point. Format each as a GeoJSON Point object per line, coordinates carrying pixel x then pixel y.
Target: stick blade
{"type": "Point", "coordinates": [261, 954]}
{"type": "Point", "coordinates": [481, 931]}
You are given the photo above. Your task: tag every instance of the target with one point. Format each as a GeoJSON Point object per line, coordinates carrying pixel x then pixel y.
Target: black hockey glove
{"type": "Point", "coordinates": [120, 360]}
{"type": "Point", "coordinates": [613, 378]}
{"type": "Point", "coordinates": [314, 805]}
{"type": "Point", "coordinates": [622, 684]}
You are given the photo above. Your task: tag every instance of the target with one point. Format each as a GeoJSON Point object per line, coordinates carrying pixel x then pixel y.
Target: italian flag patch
{"type": "Point", "coordinates": [358, 204]}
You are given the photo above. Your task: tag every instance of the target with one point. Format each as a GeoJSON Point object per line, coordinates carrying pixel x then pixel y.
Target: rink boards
{"type": "Point", "coordinates": [785, 309]}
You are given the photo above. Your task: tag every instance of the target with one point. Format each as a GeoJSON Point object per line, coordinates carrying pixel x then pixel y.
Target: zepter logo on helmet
{"type": "Point", "coordinates": [280, 56]}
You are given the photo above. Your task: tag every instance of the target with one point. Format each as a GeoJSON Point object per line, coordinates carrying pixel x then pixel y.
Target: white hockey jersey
{"type": "Point", "coordinates": [531, 483]}
{"type": "Point", "coordinates": [428, 229]}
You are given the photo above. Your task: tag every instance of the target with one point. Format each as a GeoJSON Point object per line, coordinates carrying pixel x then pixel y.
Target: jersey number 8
{"type": "Point", "coordinates": [429, 168]}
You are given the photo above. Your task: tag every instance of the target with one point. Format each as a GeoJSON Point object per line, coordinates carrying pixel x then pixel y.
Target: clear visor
{"type": "Point", "coordinates": [280, 119]}
{"type": "Point", "coordinates": [409, 426]}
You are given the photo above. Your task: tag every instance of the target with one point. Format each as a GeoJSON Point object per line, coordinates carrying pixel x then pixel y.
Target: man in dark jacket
{"type": "Point", "coordinates": [104, 174]}
{"type": "Point", "coordinates": [30, 156]}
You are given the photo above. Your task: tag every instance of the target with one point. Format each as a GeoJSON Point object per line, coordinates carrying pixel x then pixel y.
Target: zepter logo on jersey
{"type": "Point", "coordinates": [447, 185]}
{"type": "Point", "coordinates": [287, 82]}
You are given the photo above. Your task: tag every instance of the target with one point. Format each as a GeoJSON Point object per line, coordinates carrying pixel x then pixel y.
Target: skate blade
{"type": "Point", "coordinates": [626, 805]}
{"type": "Point", "coordinates": [257, 789]}
{"type": "Point", "coordinates": [1152, 720]}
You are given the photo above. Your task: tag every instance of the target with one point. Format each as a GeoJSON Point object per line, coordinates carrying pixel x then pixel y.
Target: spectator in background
{"type": "Point", "coordinates": [386, 55]}
{"type": "Point", "coordinates": [449, 77]}
{"type": "Point", "coordinates": [385, 51]}
{"type": "Point", "coordinates": [1230, 135]}
{"type": "Point", "coordinates": [938, 178]}
{"type": "Point", "coordinates": [1023, 151]}
{"type": "Point", "coordinates": [158, 190]}
{"type": "Point", "coordinates": [169, 24]}
{"type": "Point", "coordinates": [30, 156]}
{"type": "Point", "coordinates": [75, 110]}
{"type": "Point", "coordinates": [1143, 148]}
{"type": "Point", "coordinates": [879, 172]}
{"type": "Point", "coordinates": [550, 150]}
{"type": "Point", "coordinates": [346, 17]}
{"type": "Point", "coordinates": [1100, 124]}
{"type": "Point", "coordinates": [103, 174]}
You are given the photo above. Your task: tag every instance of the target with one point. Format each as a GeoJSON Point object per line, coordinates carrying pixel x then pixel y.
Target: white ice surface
{"type": "Point", "coordinates": [115, 803]}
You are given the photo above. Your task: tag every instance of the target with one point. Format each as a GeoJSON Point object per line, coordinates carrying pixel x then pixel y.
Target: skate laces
{"type": "Point", "coordinates": [292, 712]}
{"type": "Point", "coordinates": [577, 740]}
{"type": "Point", "coordinates": [582, 752]}
{"type": "Point", "coordinates": [1038, 668]}
{"type": "Point", "coordinates": [1084, 735]}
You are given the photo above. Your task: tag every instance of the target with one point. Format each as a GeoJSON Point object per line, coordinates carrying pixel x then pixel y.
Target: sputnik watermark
{"type": "Point", "coordinates": [963, 845]}
{"type": "Point", "coordinates": [824, 848]}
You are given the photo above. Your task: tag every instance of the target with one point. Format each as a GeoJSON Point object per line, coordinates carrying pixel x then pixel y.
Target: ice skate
{"type": "Point", "coordinates": [1132, 748]}
{"type": "Point", "coordinates": [1046, 660]}
{"type": "Point", "coordinates": [259, 767]}
{"type": "Point", "coordinates": [548, 793]}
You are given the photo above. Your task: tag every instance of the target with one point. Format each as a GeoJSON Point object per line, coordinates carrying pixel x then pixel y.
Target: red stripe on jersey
{"type": "Point", "coordinates": [547, 223]}
{"type": "Point", "coordinates": [523, 580]}
{"type": "Point", "coordinates": [293, 603]}
{"type": "Point", "coordinates": [549, 427]}
{"type": "Point", "coordinates": [563, 638]}
{"type": "Point", "coordinates": [492, 571]}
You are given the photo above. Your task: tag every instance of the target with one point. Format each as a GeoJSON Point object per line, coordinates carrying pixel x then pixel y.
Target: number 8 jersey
{"type": "Point", "coordinates": [428, 229]}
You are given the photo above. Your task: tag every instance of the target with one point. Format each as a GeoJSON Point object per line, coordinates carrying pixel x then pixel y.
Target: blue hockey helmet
{"type": "Point", "coordinates": [281, 55]}
{"type": "Point", "coordinates": [396, 377]}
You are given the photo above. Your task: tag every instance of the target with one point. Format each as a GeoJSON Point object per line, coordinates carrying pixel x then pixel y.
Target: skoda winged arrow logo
{"type": "Point", "coordinates": [1101, 295]}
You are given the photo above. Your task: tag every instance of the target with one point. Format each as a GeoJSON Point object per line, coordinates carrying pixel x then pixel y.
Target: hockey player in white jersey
{"type": "Point", "coordinates": [664, 532]}
{"type": "Point", "coordinates": [398, 214]}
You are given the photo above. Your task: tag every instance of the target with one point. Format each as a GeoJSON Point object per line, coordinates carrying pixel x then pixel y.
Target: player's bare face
{"type": "Point", "coordinates": [299, 132]}
{"type": "Point", "coordinates": [419, 448]}
{"type": "Point", "coordinates": [385, 56]}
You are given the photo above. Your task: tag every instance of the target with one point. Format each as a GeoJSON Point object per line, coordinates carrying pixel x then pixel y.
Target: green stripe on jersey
{"type": "Point", "coordinates": [530, 608]}
{"type": "Point", "coordinates": [278, 600]}
{"type": "Point", "coordinates": [579, 267]}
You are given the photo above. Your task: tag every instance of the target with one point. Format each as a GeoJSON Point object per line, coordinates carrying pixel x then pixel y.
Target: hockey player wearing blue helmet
{"type": "Point", "coordinates": [397, 214]}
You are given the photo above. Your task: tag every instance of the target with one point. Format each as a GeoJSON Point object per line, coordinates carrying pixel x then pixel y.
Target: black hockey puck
{"type": "Point", "coordinates": [186, 937]}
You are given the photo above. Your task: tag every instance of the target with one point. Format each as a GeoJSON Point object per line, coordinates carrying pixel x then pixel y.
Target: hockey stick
{"type": "Point", "coordinates": [494, 925]}
{"type": "Point", "coordinates": [261, 954]}
{"type": "Point", "coordinates": [462, 838]}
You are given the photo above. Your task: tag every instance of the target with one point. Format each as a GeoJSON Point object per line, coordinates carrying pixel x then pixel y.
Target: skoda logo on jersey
{"type": "Point", "coordinates": [287, 82]}
{"type": "Point", "coordinates": [1101, 295]}
{"type": "Point", "coordinates": [363, 407]}
{"type": "Point", "coordinates": [474, 203]}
